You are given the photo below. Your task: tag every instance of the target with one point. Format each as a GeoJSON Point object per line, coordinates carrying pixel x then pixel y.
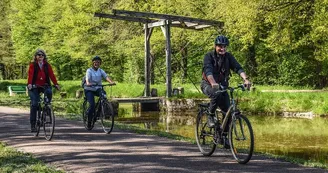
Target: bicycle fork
{"type": "Point", "coordinates": [239, 135]}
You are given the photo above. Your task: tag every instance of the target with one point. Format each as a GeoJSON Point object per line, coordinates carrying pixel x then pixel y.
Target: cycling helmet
{"type": "Point", "coordinates": [96, 58]}
{"type": "Point", "coordinates": [221, 39]}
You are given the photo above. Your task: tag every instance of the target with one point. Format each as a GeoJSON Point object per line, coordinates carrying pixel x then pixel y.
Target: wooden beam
{"type": "Point", "coordinates": [147, 60]}
{"type": "Point", "coordinates": [155, 24]}
{"type": "Point", "coordinates": [167, 33]}
{"type": "Point", "coordinates": [202, 26]}
{"type": "Point", "coordinates": [175, 24]}
{"type": "Point", "coordinates": [168, 17]}
{"type": "Point", "coordinates": [127, 18]}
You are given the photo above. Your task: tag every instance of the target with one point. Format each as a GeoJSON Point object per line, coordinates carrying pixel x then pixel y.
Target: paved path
{"type": "Point", "coordinates": [74, 149]}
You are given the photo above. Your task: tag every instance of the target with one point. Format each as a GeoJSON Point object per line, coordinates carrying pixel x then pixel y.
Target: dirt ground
{"type": "Point", "coordinates": [74, 149]}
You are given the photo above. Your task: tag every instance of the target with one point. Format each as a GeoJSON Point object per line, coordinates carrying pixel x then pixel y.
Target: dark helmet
{"type": "Point", "coordinates": [96, 58]}
{"type": "Point", "coordinates": [221, 39]}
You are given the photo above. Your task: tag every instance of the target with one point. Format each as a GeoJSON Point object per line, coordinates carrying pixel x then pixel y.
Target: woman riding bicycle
{"type": "Point", "coordinates": [94, 77]}
{"type": "Point", "coordinates": [216, 70]}
{"type": "Point", "coordinates": [40, 72]}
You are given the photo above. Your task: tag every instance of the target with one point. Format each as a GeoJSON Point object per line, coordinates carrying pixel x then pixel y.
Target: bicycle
{"type": "Point", "coordinates": [103, 111]}
{"type": "Point", "coordinates": [240, 134]}
{"type": "Point", "coordinates": [45, 116]}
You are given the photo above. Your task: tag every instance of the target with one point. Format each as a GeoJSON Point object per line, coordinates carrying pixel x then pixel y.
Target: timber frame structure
{"type": "Point", "coordinates": [165, 21]}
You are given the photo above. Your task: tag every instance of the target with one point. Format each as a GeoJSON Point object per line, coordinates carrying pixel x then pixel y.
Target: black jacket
{"type": "Point", "coordinates": [219, 66]}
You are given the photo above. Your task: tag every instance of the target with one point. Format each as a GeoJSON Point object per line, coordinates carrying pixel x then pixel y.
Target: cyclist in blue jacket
{"type": "Point", "coordinates": [94, 76]}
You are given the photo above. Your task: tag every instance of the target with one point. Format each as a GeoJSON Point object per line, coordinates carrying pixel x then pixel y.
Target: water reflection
{"type": "Point", "coordinates": [301, 138]}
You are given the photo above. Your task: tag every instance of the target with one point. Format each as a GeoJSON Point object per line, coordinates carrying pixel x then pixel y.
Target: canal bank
{"type": "Point", "coordinates": [298, 139]}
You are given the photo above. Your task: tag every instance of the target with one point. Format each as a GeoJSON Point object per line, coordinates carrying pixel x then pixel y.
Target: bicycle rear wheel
{"type": "Point", "coordinates": [241, 139]}
{"type": "Point", "coordinates": [107, 117]}
{"type": "Point", "coordinates": [204, 135]}
{"type": "Point", "coordinates": [48, 122]}
{"type": "Point", "coordinates": [85, 110]}
{"type": "Point", "coordinates": [38, 122]}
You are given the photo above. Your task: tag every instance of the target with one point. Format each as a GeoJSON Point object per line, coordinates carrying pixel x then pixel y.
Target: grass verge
{"type": "Point", "coordinates": [12, 160]}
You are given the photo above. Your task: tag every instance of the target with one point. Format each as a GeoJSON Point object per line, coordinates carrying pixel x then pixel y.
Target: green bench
{"type": "Point", "coordinates": [17, 89]}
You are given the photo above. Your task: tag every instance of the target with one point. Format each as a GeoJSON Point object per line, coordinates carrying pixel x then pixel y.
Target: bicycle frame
{"type": "Point", "coordinates": [102, 97]}
{"type": "Point", "coordinates": [102, 110]}
{"type": "Point", "coordinates": [235, 129]}
{"type": "Point", "coordinates": [43, 110]}
{"type": "Point", "coordinates": [232, 109]}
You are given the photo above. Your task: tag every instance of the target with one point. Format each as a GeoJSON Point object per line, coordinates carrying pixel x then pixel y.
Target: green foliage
{"type": "Point", "coordinates": [277, 42]}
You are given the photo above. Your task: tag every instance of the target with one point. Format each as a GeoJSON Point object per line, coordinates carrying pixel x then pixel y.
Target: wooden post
{"type": "Point", "coordinates": [167, 34]}
{"type": "Point", "coordinates": [147, 59]}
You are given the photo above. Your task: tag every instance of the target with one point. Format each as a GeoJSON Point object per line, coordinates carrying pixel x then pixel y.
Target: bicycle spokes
{"type": "Point", "coordinates": [241, 139]}
{"type": "Point", "coordinates": [204, 135]}
{"type": "Point", "coordinates": [48, 123]}
{"type": "Point", "coordinates": [240, 135]}
{"type": "Point", "coordinates": [38, 123]}
{"type": "Point", "coordinates": [107, 117]}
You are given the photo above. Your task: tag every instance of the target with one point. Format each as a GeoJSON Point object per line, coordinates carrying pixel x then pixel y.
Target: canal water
{"type": "Point", "coordinates": [294, 137]}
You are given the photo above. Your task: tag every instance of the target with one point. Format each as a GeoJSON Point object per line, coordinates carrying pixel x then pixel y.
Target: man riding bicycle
{"type": "Point", "coordinates": [216, 69]}
{"type": "Point", "coordinates": [39, 73]}
{"type": "Point", "coordinates": [94, 77]}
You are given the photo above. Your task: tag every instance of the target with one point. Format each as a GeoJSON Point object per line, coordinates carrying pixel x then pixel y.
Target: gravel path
{"type": "Point", "coordinates": [74, 149]}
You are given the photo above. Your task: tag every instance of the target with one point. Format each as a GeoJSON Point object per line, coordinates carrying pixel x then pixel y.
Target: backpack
{"type": "Point", "coordinates": [83, 81]}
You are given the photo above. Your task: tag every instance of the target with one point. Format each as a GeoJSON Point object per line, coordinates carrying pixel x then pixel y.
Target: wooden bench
{"type": "Point", "coordinates": [17, 89]}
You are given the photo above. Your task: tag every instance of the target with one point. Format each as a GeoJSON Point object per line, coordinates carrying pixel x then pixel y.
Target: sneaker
{"type": "Point", "coordinates": [89, 126]}
{"type": "Point", "coordinates": [226, 143]}
{"type": "Point", "coordinates": [33, 128]}
{"type": "Point", "coordinates": [210, 121]}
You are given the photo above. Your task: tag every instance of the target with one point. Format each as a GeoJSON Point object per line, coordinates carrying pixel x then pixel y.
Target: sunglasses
{"type": "Point", "coordinates": [40, 54]}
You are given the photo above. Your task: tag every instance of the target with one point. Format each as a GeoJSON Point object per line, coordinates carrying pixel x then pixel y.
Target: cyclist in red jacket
{"type": "Point", "coordinates": [39, 74]}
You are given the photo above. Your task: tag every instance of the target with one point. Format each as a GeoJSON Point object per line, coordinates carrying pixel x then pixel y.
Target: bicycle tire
{"type": "Point", "coordinates": [204, 135]}
{"type": "Point", "coordinates": [85, 108]}
{"type": "Point", "coordinates": [38, 122]}
{"type": "Point", "coordinates": [107, 117]}
{"type": "Point", "coordinates": [241, 139]}
{"type": "Point", "coordinates": [48, 122]}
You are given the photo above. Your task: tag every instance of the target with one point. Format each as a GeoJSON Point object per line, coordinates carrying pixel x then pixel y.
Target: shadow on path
{"type": "Point", "coordinates": [75, 149]}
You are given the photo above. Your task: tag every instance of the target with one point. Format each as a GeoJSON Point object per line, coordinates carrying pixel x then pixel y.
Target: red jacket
{"type": "Point", "coordinates": [41, 77]}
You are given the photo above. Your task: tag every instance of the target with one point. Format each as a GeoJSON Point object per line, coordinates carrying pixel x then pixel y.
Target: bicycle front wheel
{"type": "Point", "coordinates": [38, 122]}
{"type": "Point", "coordinates": [241, 139]}
{"type": "Point", "coordinates": [85, 110]}
{"type": "Point", "coordinates": [204, 135]}
{"type": "Point", "coordinates": [48, 122]}
{"type": "Point", "coordinates": [107, 117]}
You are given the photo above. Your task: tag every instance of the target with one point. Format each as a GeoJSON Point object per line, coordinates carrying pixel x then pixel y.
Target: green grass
{"type": "Point", "coordinates": [256, 102]}
{"type": "Point", "coordinates": [12, 160]}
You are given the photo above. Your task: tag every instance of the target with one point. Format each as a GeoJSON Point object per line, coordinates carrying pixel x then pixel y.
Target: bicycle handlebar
{"type": "Point", "coordinates": [221, 88]}
{"type": "Point", "coordinates": [111, 84]}
{"type": "Point", "coordinates": [42, 86]}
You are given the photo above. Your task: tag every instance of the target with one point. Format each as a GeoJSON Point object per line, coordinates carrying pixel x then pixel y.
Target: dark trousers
{"type": "Point", "coordinates": [90, 95]}
{"type": "Point", "coordinates": [221, 100]}
{"type": "Point", "coordinates": [35, 98]}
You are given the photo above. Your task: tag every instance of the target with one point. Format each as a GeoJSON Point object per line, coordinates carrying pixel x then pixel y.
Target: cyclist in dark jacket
{"type": "Point", "coordinates": [216, 71]}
